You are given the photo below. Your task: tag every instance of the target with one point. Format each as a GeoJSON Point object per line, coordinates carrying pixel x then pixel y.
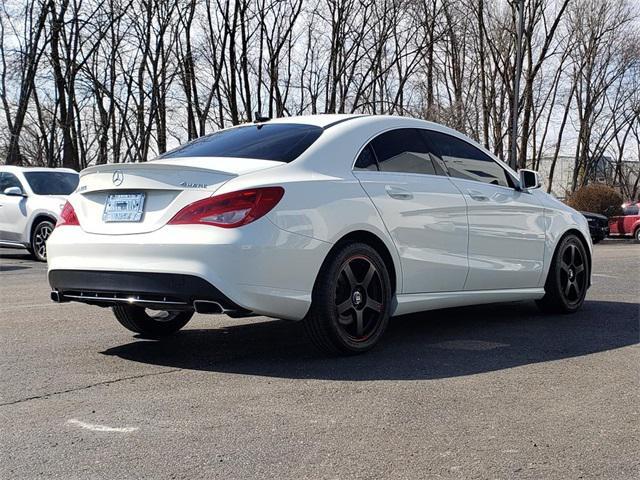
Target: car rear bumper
{"type": "Point", "coordinates": [258, 268]}
{"type": "Point", "coordinates": [152, 290]}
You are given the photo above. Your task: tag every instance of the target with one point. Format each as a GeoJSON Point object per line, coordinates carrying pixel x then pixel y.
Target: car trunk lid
{"type": "Point", "coordinates": [166, 186]}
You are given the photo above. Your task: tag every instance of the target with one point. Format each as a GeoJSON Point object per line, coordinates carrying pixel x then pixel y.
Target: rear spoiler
{"type": "Point", "coordinates": [129, 167]}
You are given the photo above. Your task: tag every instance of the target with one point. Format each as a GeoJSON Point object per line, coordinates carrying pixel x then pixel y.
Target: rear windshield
{"type": "Point", "coordinates": [52, 183]}
{"type": "Point", "coordinates": [281, 142]}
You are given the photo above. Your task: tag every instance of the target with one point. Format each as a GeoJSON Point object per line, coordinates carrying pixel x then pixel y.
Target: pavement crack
{"type": "Point", "coordinates": [86, 387]}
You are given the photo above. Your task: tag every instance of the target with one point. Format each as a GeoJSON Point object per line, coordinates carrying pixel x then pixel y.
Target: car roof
{"type": "Point", "coordinates": [321, 120]}
{"type": "Point", "coordinates": [326, 120]}
{"type": "Point", "coordinates": [338, 122]}
{"type": "Point", "coordinates": [15, 168]}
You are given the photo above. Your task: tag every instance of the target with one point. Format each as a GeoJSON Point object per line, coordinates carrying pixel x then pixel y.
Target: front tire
{"type": "Point", "coordinates": [41, 233]}
{"type": "Point", "coordinates": [151, 324]}
{"type": "Point", "coordinates": [568, 277]}
{"type": "Point", "coordinates": [351, 301]}
{"type": "Point", "coordinates": [636, 235]}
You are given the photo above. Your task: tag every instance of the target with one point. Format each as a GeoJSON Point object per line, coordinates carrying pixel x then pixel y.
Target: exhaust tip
{"type": "Point", "coordinates": [56, 297]}
{"type": "Point", "coordinates": [206, 306]}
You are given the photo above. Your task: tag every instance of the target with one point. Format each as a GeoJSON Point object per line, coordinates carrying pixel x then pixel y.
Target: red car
{"type": "Point", "coordinates": [628, 224]}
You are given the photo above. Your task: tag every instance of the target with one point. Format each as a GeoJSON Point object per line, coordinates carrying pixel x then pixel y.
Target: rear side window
{"type": "Point", "coordinates": [401, 151]}
{"type": "Point", "coordinates": [280, 142]}
{"type": "Point", "coordinates": [463, 160]}
{"type": "Point", "coordinates": [366, 160]}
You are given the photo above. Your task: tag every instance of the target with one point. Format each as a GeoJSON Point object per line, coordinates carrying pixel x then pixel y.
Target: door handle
{"type": "Point", "coordinates": [398, 193]}
{"type": "Point", "coordinates": [476, 195]}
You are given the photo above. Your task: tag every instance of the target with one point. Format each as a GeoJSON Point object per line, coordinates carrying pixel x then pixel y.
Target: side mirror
{"type": "Point", "coordinates": [14, 192]}
{"type": "Point", "coordinates": [529, 179]}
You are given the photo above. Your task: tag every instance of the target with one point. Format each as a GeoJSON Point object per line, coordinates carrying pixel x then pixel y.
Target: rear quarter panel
{"type": "Point", "coordinates": [321, 207]}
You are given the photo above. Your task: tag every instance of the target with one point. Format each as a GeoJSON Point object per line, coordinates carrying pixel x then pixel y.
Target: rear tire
{"type": "Point", "coordinates": [567, 281]}
{"type": "Point", "coordinates": [351, 302]}
{"type": "Point", "coordinates": [636, 235]}
{"type": "Point", "coordinates": [151, 324]}
{"type": "Point", "coordinates": [39, 238]}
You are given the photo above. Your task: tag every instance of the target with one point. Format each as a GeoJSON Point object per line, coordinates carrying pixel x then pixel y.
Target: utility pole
{"type": "Point", "coordinates": [513, 160]}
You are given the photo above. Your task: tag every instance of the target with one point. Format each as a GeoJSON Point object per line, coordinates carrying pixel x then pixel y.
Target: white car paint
{"type": "Point", "coordinates": [452, 242]}
{"type": "Point", "coordinates": [18, 214]}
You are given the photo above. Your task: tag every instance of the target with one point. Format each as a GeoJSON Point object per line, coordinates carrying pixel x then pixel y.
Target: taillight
{"type": "Point", "coordinates": [67, 216]}
{"type": "Point", "coordinates": [230, 210]}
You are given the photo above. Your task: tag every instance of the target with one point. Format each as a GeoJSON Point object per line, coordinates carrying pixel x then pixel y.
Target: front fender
{"type": "Point", "coordinates": [560, 222]}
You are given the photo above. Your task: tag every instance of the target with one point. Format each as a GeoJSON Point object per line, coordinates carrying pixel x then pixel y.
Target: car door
{"type": "Point", "coordinates": [506, 226]}
{"type": "Point", "coordinates": [423, 211]}
{"type": "Point", "coordinates": [13, 210]}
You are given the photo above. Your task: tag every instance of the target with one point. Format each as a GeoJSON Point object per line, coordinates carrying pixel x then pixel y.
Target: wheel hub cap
{"type": "Point", "coordinates": [357, 298]}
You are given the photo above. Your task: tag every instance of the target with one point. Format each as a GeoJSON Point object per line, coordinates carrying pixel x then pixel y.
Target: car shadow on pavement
{"type": "Point", "coordinates": [12, 268]}
{"type": "Point", "coordinates": [14, 254]}
{"type": "Point", "coordinates": [429, 345]}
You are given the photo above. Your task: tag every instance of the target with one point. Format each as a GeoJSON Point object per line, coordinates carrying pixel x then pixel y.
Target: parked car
{"type": "Point", "coordinates": [30, 202]}
{"type": "Point", "coordinates": [627, 224]}
{"type": "Point", "coordinates": [341, 221]}
{"type": "Point", "coordinates": [598, 226]}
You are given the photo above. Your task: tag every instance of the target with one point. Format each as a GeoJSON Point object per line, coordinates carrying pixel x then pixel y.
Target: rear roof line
{"type": "Point", "coordinates": [345, 120]}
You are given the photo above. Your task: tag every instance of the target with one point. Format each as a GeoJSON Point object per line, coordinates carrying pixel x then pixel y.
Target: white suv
{"type": "Point", "coordinates": [30, 202]}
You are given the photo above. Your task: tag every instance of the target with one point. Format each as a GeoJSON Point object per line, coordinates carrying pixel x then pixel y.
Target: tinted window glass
{"type": "Point", "coordinates": [404, 151]}
{"type": "Point", "coordinates": [366, 160]}
{"type": "Point", "coordinates": [630, 209]}
{"type": "Point", "coordinates": [8, 180]}
{"type": "Point", "coordinates": [463, 160]}
{"type": "Point", "coordinates": [52, 183]}
{"type": "Point", "coordinates": [281, 142]}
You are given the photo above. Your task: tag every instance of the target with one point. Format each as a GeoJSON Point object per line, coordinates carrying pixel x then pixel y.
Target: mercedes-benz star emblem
{"type": "Point", "coordinates": [118, 177]}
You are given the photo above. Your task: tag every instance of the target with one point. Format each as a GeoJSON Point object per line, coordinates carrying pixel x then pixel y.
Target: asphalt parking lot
{"type": "Point", "coordinates": [491, 392]}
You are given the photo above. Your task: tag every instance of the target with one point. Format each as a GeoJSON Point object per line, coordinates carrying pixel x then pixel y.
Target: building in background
{"type": "Point", "coordinates": [603, 171]}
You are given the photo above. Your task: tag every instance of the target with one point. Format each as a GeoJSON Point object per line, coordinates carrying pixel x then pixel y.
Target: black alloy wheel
{"type": "Point", "coordinates": [151, 323]}
{"type": "Point", "coordinates": [568, 278]}
{"type": "Point", "coordinates": [573, 280]}
{"type": "Point", "coordinates": [351, 301]}
{"type": "Point", "coordinates": [359, 299]}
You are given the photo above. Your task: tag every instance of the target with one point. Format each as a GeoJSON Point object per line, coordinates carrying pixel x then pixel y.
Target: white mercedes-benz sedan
{"type": "Point", "coordinates": [341, 221]}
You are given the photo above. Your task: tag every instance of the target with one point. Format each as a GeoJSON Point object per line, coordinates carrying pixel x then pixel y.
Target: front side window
{"type": "Point", "coordinates": [463, 160]}
{"type": "Point", "coordinates": [401, 151]}
{"type": "Point", "coordinates": [283, 142]}
{"type": "Point", "coordinates": [8, 180]}
{"type": "Point", "coordinates": [52, 183]}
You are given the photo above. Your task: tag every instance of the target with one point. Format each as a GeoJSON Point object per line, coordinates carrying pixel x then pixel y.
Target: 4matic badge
{"type": "Point", "coordinates": [193, 185]}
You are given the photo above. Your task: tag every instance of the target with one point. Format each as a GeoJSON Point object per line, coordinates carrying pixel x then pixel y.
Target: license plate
{"type": "Point", "coordinates": [123, 207]}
